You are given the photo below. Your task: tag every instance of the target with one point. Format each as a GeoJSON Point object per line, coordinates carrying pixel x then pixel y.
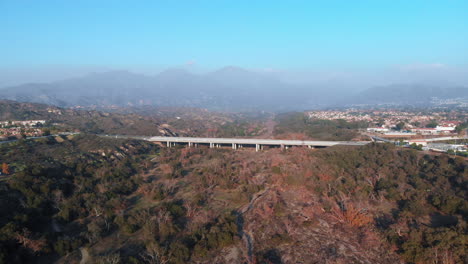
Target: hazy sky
{"type": "Point", "coordinates": [327, 36]}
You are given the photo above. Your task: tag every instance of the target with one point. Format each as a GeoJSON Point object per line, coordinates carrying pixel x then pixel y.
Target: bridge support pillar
{"type": "Point", "coordinates": [168, 144]}
{"type": "Point", "coordinates": [257, 147]}
{"type": "Point", "coordinates": [234, 146]}
{"type": "Point", "coordinates": [211, 145]}
{"type": "Point", "coordinates": [190, 144]}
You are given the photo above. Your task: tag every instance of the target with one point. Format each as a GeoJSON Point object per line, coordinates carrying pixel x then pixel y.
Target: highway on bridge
{"type": "Point", "coordinates": [248, 142]}
{"type": "Point", "coordinates": [236, 143]}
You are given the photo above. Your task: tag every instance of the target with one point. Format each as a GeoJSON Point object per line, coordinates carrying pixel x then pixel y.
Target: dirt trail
{"type": "Point", "coordinates": [270, 127]}
{"type": "Point", "coordinates": [245, 234]}
{"type": "Point", "coordinates": [84, 256]}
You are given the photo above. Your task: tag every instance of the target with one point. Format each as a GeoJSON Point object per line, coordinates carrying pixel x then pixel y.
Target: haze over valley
{"type": "Point", "coordinates": [228, 89]}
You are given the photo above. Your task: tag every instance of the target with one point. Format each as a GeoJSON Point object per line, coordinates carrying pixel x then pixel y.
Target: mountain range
{"type": "Point", "coordinates": [229, 88]}
{"type": "Point", "coordinates": [410, 95]}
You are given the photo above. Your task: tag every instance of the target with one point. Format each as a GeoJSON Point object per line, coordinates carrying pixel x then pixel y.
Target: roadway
{"type": "Point", "coordinates": [235, 143]}
{"type": "Point", "coordinates": [258, 143]}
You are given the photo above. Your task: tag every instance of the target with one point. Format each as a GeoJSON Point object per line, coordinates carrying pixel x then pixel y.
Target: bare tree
{"type": "Point", "coordinates": [191, 209]}
{"type": "Point", "coordinates": [111, 259]}
{"type": "Point", "coordinates": [163, 217]}
{"type": "Point", "coordinates": [154, 254]}
{"type": "Point", "coordinates": [97, 211]}
{"type": "Point", "coordinates": [57, 200]}
{"type": "Point", "coordinates": [26, 239]}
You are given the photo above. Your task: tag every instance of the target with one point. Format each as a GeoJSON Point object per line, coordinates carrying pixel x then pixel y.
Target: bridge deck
{"type": "Point", "coordinates": [254, 141]}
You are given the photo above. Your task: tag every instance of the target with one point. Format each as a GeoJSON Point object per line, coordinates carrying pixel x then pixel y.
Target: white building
{"type": "Point", "coordinates": [377, 129]}
{"type": "Point", "coordinates": [445, 129]}
{"type": "Point", "coordinates": [397, 133]}
{"type": "Point", "coordinates": [425, 131]}
{"type": "Point", "coordinates": [442, 147]}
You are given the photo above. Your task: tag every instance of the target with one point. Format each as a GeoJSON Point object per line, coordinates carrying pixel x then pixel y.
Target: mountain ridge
{"type": "Point", "coordinates": [229, 88]}
{"type": "Point", "coordinates": [409, 94]}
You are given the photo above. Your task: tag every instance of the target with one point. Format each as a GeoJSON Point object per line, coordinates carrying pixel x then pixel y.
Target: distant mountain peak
{"type": "Point", "coordinates": [175, 71]}
{"type": "Point", "coordinates": [231, 70]}
{"type": "Point", "coordinates": [174, 75]}
{"type": "Point", "coordinates": [111, 73]}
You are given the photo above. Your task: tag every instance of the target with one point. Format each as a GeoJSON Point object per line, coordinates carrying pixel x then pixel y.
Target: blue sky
{"type": "Point", "coordinates": [293, 35]}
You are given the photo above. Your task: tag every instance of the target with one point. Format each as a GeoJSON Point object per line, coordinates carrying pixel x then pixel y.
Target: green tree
{"type": "Point", "coordinates": [416, 124]}
{"type": "Point", "coordinates": [459, 129]}
{"type": "Point", "coordinates": [432, 124]}
{"type": "Point", "coordinates": [400, 126]}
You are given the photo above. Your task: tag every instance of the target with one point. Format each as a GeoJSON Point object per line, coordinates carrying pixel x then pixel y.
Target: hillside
{"type": "Point", "coordinates": [146, 120]}
{"type": "Point", "coordinates": [297, 125]}
{"type": "Point", "coordinates": [133, 202]}
{"type": "Point", "coordinates": [89, 121]}
{"type": "Point", "coordinates": [11, 110]}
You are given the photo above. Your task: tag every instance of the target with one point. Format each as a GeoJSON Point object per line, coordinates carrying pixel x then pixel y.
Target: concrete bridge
{"type": "Point", "coordinates": [236, 143]}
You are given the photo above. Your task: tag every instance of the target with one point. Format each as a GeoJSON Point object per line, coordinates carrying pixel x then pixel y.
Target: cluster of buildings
{"type": "Point", "coordinates": [54, 110]}
{"type": "Point", "coordinates": [348, 115]}
{"type": "Point", "coordinates": [443, 147]}
{"type": "Point", "coordinates": [6, 133]}
{"type": "Point", "coordinates": [397, 122]}
{"type": "Point", "coordinates": [438, 130]}
{"type": "Point", "coordinates": [453, 148]}
{"type": "Point", "coordinates": [27, 128]}
{"type": "Point", "coordinates": [459, 102]}
{"type": "Point", "coordinates": [444, 128]}
{"type": "Point", "coordinates": [23, 123]}
{"type": "Point", "coordinates": [387, 118]}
